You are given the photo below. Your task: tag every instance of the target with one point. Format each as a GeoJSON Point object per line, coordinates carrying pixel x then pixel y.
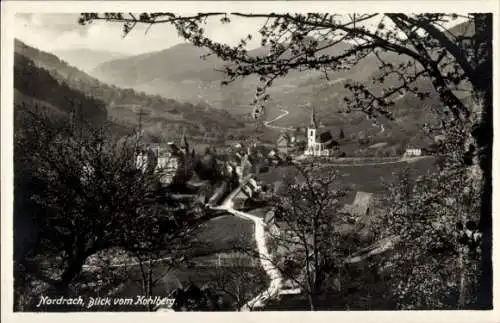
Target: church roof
{"type": "Point", "coordinates": [326, 138]}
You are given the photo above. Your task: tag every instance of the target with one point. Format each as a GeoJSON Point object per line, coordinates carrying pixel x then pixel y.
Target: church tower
{"type": "Point", "coordinates": [184, 143]}
{"type": "Point", "coordinates": [311, 131]}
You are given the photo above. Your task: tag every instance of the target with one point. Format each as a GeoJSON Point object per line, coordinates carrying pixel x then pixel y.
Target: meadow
{"type": "Point", "coordinates": [371, 178]}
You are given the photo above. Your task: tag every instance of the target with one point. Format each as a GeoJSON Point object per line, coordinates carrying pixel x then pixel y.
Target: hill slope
{"type": "Point", "coordinates": [162, 117]}
{"type": "Point", "coordinates": [180, 72]}
{"type": "Point", "coordinates": [35, 88]}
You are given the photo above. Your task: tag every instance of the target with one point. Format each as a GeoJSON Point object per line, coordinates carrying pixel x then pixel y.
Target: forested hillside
{"type": "Point", "coordinates": [67, 86]}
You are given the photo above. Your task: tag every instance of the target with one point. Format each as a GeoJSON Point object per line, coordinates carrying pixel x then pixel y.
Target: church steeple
{"type": "Point", "coordinates": [313, 124]}
{"type": "Point", "coordinates": [184, 142]}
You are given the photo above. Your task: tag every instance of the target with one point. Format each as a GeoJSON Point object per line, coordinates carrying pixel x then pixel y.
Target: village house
{"type": "Point", "coordinates": [173, 163]}
{"type": "Point", "coordinates": [284, 143]}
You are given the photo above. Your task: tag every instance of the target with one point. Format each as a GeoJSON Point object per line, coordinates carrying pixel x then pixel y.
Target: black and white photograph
{"type": "Point", "coordinates": [240, 159]}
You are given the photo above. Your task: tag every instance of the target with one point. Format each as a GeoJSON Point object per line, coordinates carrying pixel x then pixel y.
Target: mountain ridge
{"type": "Point", "coordinates": [164, 117]}
{"type": "Point", "coordinates": [179, 72]}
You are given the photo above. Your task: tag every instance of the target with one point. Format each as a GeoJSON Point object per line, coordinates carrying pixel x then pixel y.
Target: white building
{"type": "Point", "coordinates": [162, 160]}
{"type": "Point", "coordinates": [413, 152]}
{"type": "Point", "coordinates": [171, 163]}
{"type": "Point", "coordinates": [168, 166]}
{"type": "Point", "coordinates": [318, 144]}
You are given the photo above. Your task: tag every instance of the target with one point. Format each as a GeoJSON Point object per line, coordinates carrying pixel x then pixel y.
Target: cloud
{"type": "Point", "coordinates": [51, 32]}
{"type": "Point", "coordinates": [58, 23]}
{"type": "Point", "coordinates": [58, 31]}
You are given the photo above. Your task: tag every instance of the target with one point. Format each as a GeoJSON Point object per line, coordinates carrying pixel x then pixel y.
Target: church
{"type": "Point", "coordinates": [319, 143]}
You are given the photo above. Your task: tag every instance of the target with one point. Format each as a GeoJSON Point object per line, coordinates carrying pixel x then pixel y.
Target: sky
{"type": "Point", "coordinates": [52, 32]}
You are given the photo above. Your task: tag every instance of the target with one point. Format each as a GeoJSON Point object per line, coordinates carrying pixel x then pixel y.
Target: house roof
{"type": "Point", "coordinates": [284, 136]}
{"type": "Point", "coordinates": [300, 137]}
{"type": "Point", "coordinates": [361, 203]}
{"type": "Point", "coordinates": [173, 148]}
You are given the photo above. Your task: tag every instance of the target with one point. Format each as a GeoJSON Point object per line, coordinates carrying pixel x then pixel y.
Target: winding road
{"type": "Point", "coordinates": [276, 284]}
{"type": "Point", "coordinates": [284, 114]}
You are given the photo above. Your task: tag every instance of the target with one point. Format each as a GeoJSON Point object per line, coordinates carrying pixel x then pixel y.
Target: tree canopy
{"type": "Point", "coordinates": [448, 56]}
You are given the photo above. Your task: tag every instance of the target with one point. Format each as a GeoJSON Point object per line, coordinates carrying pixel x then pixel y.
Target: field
{"type": "Point", "coordinates": [223, 234]}
{"type": "Point", "coordinates": [367, 178]}
{"type": "Point", "coordinates": [247, 281]}
{"type": "Point", "coordinates": [218, 236]}
{"type": "Point", "coordinates": [373, 178]}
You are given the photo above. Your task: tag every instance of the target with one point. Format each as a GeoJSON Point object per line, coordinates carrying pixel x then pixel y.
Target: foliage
{"type": "Point", "coordinates": [307, 214]}
{"type": "Point", "coordinates": [191, 298]}
{"type": "Point", "coordinates": [79, 192]}
{"type": "Point", "coordinates": [436, 217]}
{"type": "Point", "coordinates": [407, 48]}
{"type": "Point", "coordinates": [159, 239]}
{"type": "Point", "coordinates": [237, 284]}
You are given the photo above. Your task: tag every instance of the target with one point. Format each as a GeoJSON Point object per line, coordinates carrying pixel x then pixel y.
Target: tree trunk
{"type": "Point", "coordinates": [150, 283]}
{"type": "Point", "coordinates": [74, 268]}
{"type": "Point", "coordinates": [483, 135]}
{"type": "Point", "coordinates": [462, 283]}
{"type": "Point", "coordinates": [312, 301]}
{"type": "Point", "coordinates": [483, 138]}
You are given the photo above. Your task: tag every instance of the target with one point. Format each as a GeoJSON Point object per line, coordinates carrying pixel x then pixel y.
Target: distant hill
{"type": "Point", "coordinates": [180, 73]}
{"type": "Point", "coordinates": [86, 59]}
{"type": "Point", "coordinates": [465, 29]}
{"type": "Point", "coordinates": [163, 118]}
